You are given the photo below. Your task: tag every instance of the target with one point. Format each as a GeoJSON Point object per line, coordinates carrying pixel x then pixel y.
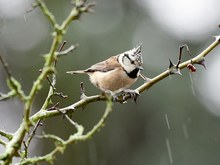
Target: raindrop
{"type": "Point", "coordinates": [169, 151]}
{"type": "Point", "coordinates": [192, 84]}
{"type": "Point", "coordinates": [25, 19]}
{"type": "Point", "coordinates": [185, 131]}
{"type": "Point", "coordinates": [167, 121]}
{"type": "Point", "coordinates": [92, 153]}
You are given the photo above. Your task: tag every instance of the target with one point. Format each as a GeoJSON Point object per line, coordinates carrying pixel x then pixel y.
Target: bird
{"type": "Point", "coordinates": [117, 73]}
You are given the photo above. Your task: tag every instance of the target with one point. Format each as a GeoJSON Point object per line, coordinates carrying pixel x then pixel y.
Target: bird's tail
{"type": "Point", "coordinates": [76, 72]}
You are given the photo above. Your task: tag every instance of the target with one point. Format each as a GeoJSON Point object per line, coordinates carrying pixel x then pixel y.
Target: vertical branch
{"type": "Point", "coordinates": [14, 145]}
{"type": "Point", "coordinates": [53, 83]}
{"type": "Point", "coordinates": [45, 105]}
{"type": "Point", "coordinates": [12, 83]}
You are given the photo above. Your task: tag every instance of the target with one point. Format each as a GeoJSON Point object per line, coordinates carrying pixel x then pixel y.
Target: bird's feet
{"type": "Point", "coordinates": [111, 94]}
{"type": "Point", "coordinates": [132, 93]}
{"type": "Point", "coordinates": [123, 96]}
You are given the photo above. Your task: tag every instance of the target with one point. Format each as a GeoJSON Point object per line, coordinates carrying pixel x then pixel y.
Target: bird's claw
{"type": "Point", "coordinates": [124, 95]}
{"type": "Point", "coordinates": [111, 94]}
{"type": "Point", "coordinates": [133, 94]}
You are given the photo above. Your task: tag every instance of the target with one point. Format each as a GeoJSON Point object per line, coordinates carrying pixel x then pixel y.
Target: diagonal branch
{"type": "Point", "coordinates": [141, 88]}
{"type": "Point", "coordinates": [183, 65]}
{"type": "Point", "coordinates": [78, 136]}
{"type": "Point", "coordinates": [6, 134]}
{"type": "Point", "coordinates": [13, 146]}
{"type": "Point", "coordinates": [2, 142]}
{"type": "Point", "coordinates": [47, 13]}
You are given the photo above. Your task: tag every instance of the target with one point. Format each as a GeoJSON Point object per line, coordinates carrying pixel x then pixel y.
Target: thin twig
{"type": "Point", "coordinates": [2, 142]}
{"type": "Point", "coordinates": [13, 84]}
{"type": "Point", "coordinates": [59, 50]}
{"type": "Point", "coordinates": [5, 66]}
{"type": "Point", "coordinates": [65, 52]}
{"type": "Point", "coordinates": [50, 136]}
{"type": "Point", "coordinates": [180, 53]}
{"type": "Point", "coordinates": [78, 127]}
{"type": "Point", "coordinates": [9, 95]}
{"type": "Point", "coordinates": [6, 134]}
{"type": "Point", "coordinates": [47, 13]}
{"type": "Point", "coordinates": [101, 122]}
{"type": "Point", "coordinates": [32, 7]}
{"type": "Point", "coordinates": [32, 134]}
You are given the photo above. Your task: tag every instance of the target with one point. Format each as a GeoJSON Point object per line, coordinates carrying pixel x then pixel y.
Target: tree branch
{"type": "Point", "coordinates": [195, 60]}
{"type": "Point", "coordinates": [2, 142]}
{"type": "Point", "coordinates": [78, 136]}
{"type": "Point", "coordinates": [13, 84]}
{"type": "Point", "coordinates": [14, 145]}
{"type": "Point", "coordinates": [9, 136]}
{"type": "Point", "coordinates": [47, 13]}
{"type": "Point", "coordinates": [15, 140]}
{"type": "Point", "coordinates": [86, 100]}
{"type": "Point", "coordinates": [69, 109]}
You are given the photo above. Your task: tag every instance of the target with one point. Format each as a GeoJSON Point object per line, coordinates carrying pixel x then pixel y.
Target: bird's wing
{"type": "Point", "coordinates": [104, 66]}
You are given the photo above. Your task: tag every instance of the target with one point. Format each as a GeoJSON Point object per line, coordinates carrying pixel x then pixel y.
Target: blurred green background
{"type": "Point", "coordinates": [175, 122]}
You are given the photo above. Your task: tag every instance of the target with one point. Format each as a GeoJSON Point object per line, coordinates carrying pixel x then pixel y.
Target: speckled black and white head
{"type": "Point", "coordinates": [132, 61]}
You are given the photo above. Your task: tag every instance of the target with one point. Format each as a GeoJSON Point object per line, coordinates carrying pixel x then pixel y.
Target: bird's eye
{"type": "Point", "coordinates": [132, 62]}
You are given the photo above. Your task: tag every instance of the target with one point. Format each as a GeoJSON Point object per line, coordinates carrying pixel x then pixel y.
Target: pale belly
{"type": "Point", "coordinates": [112, 80]}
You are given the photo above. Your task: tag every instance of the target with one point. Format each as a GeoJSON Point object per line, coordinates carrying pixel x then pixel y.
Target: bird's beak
{"type": "Point", "coordinates": [140, 68]}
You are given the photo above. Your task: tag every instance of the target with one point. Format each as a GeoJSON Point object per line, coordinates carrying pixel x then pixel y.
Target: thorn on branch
{"type": "Point", "coordinates": [217, 38]}
{"type": "Point", "coordinates": [174, 68]}
{"type": "Point", "coordinates": [201, 62]}
{"type": "Point", "coordinates": [62, 46]}
{"type": "Point", "coordinates": [82, 91]}
{"type": "Point", "coordinates": [54, 107]}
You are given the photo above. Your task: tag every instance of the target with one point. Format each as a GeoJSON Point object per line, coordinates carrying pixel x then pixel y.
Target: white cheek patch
{"type": "Point", "coordinates": [126, 61]}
